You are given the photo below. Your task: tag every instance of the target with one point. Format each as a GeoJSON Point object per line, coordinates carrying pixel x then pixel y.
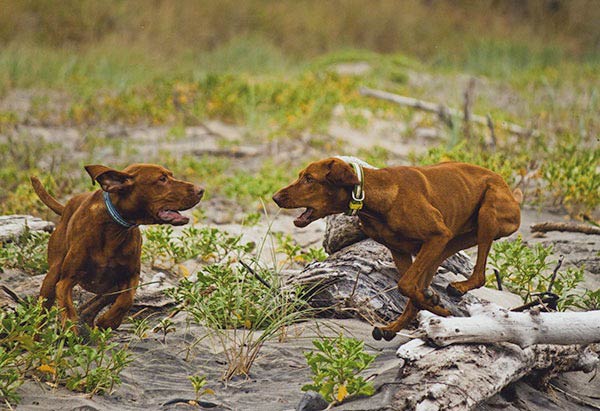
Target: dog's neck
{"type": "Point", "coordinates": [111, 203]}
{"type": "Point", "coordinates": [374, 203]}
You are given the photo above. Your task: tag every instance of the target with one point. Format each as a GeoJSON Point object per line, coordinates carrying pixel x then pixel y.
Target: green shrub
{"type": "Point", "coordinates": [161, 247]}
{"type": "Point", "coordinates": [335, 366]}
{"type": "Point", "coordinates": [34, 343]}
{"type": "Point", "coordinates": [573, 178]}
{"type": "Point", "coordinates": [526, 270]}
{"type": "Point", "coordinates": [27, 252]}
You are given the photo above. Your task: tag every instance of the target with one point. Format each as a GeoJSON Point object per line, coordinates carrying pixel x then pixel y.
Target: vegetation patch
{"type": "Point", "coordinates": [335, 365]}
{"type": "Point", "coordinates": [35, 345]}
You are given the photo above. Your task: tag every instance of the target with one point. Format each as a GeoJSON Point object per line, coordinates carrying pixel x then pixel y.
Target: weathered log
{"type": "Point", "coordinates": [489, 323]}
{"type": "Point", "coordinates": [12, 226]}
{"type": "Point", "coordinates": [441, 110]}
{"type": "Point", "coordinates": [459, 377]}
{"type": "Point", "coordinates": [568, 227]}
{"type": "Point", "coordinates": [341, 231]}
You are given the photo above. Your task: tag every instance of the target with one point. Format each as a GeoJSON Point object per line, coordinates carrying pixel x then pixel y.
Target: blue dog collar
{"type": "Point", "coordinates": [112, 211]}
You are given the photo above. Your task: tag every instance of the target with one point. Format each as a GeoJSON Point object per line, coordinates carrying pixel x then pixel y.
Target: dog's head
{"type": "Point", "coordinates": [323, 188]}
{"type": "Point", "coordinates": [147, 193]}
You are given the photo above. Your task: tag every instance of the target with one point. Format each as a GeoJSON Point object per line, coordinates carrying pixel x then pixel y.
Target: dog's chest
{"type": "Point", "coordinates": [381, 233]}
{"type": "Point", "coordinates": [102, 278]}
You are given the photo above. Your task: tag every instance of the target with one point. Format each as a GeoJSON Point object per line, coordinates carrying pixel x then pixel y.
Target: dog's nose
{"type": "Point", "coordinates": [278, 198]}
{"type": "Point", "coordinates": [200, 191]}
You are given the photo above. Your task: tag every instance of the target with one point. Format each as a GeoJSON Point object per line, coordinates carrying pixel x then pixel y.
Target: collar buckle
{"type": "Point", "coordinates": [358, 194]}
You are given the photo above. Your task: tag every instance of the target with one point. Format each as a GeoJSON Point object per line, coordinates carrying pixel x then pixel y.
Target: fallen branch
{"type": "Point", "coordinates": [460, 377]}
{"type": "Point", "coordinates": [568, 227]}
{"type": "Point", "coordinates": [491, 324]}
{"type": "Point", "coordinates": [442, 110]}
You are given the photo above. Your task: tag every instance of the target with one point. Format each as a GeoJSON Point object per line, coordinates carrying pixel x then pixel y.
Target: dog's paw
{"type": "Point", "coordinates": [431, 296]}
{"type": "Point", "coordinates": [453, 291]}
{"type": "Point", "coordinates": [379, 333]}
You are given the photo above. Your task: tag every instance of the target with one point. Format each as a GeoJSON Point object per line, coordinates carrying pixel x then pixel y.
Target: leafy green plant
{"type": "Point", "coordinates": [166, 326]}
{"type": "Point", "coordinates": [27, 252]}
{"type": "Point", "coordinates": [162, 248]}
{"type": "Point", "coordinates": [573, 179]}
{"type": "Point", "coordinates": [33, 342]}
{"type": "Point", "coordinates": [234, 303]}
{"type": "Point", "coordinates": [140, 327]}
{"type": "Point", "coordinates": [198, 382]}
{"type": "Point", "coordinates": [590, 300]}
{"type": "Point", "coordinates": [335, 366]}
{"type": "Point", "coordinates": [525, 271]}
{"type": "Point", "coordinates": [314, 254]}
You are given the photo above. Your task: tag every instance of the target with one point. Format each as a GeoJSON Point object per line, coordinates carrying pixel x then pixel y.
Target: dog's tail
{"type": "Point", "coordinates": [46, 198]}
{"type": "Point", "coordinates": [518, 195]}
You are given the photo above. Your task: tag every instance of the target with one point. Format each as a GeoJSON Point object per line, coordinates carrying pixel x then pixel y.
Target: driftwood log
{"type": "Point", "coordinates": [490, 323]}
{"type": "Point", "coordinates": [12, 226]}
{"type": "Point", "coordinates": [359, 279]}
{"type": "Point", "coordinates": [459, 377]}
{"type": "Point", "coordinates": [565, 227]}
{"type": "Point", "coordinates": [442, 111]}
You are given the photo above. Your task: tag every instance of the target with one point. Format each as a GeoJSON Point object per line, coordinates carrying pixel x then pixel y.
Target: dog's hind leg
{"type": "Point", "coordinates": [48, 289]}
{"type": "Point", "coordinates": [492, 222]}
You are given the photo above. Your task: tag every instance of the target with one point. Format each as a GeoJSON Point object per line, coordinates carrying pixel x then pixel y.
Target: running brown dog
{"type": "Point", "coordinates": [428, 212]}
{"type": "Point", "coordinates": [97, 243]}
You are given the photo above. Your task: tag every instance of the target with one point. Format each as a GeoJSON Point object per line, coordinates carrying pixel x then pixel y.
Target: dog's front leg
{"type": "Point", "coordinates": [113, 317]}
{"type": "Point", "coordinates": [403, 261]}
{"type": "Point", "coordinates": [89, 310]}
{"type": "Point", "coordinates": [418, 277]}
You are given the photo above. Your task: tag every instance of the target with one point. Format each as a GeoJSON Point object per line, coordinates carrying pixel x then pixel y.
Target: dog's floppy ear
{"type": "Point", "coordinates": [341, 173]}
{"type": "Point", "coordinates": [110, 180]}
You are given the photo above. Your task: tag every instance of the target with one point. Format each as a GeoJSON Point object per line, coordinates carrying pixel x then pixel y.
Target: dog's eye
{"type": "Point", "coordinates": [308, 179]}
{"type": "Point", "coordinates": [163, 179]}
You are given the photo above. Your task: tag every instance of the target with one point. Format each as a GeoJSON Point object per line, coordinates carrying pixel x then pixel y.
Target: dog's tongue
{"type": "Point", "coordinates": [172, 217]}
{"type": "Point", "coordinates": [304, 219]}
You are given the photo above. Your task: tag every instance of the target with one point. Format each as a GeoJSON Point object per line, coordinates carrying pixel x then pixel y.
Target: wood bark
{"type": "Point", "coordinates": [441, 110]}
{"type": "Point", "coordinates": [568, 227]}
{"type": "Point", "coordinates": [459, 377]}
{"type": "Point", "coordinates": [490, 323]}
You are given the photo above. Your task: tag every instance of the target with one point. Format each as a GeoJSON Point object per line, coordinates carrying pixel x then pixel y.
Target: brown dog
{"type": "Point", "coordinates": [431, 212]}
{"type": "Point", "coordinates": [97, 243]}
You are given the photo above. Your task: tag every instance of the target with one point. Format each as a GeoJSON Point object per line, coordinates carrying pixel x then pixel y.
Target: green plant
{"type": "Point", "coordinates": [590, 300]}
{"type": "Point", "coordinates": [34, 342]}
{"type": "Point", "coordinates": [162, 248]}
{"type": "Point", "coordinates": [335, 367]}
{"type": "Point", "coordinates": [198, 382]}
{"type": "Point", "coordinates": [287, 245]}
{"type": "Point", "coordinates": [313, 254]}
{"type": "Point", "coordinates": [26, 252]}
{"type": "Point", "coordinates": [140, 327]}
{"type": "Point", "coordinates": [573, 178]}
{"type": "Point", "coordinates": [166, 326]}
{"type": "Point", "coordinates": [525, 271]}
{"type": "Point", "coordinates": [246, 187]}
{"type": "Point", "coordinates": [234, 303]}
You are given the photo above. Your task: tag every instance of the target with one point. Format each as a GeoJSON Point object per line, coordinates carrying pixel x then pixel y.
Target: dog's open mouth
{"type": "Point", "coordinates": [305, 218]}
{"type": "Point", "coordinates": [172, 217]}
